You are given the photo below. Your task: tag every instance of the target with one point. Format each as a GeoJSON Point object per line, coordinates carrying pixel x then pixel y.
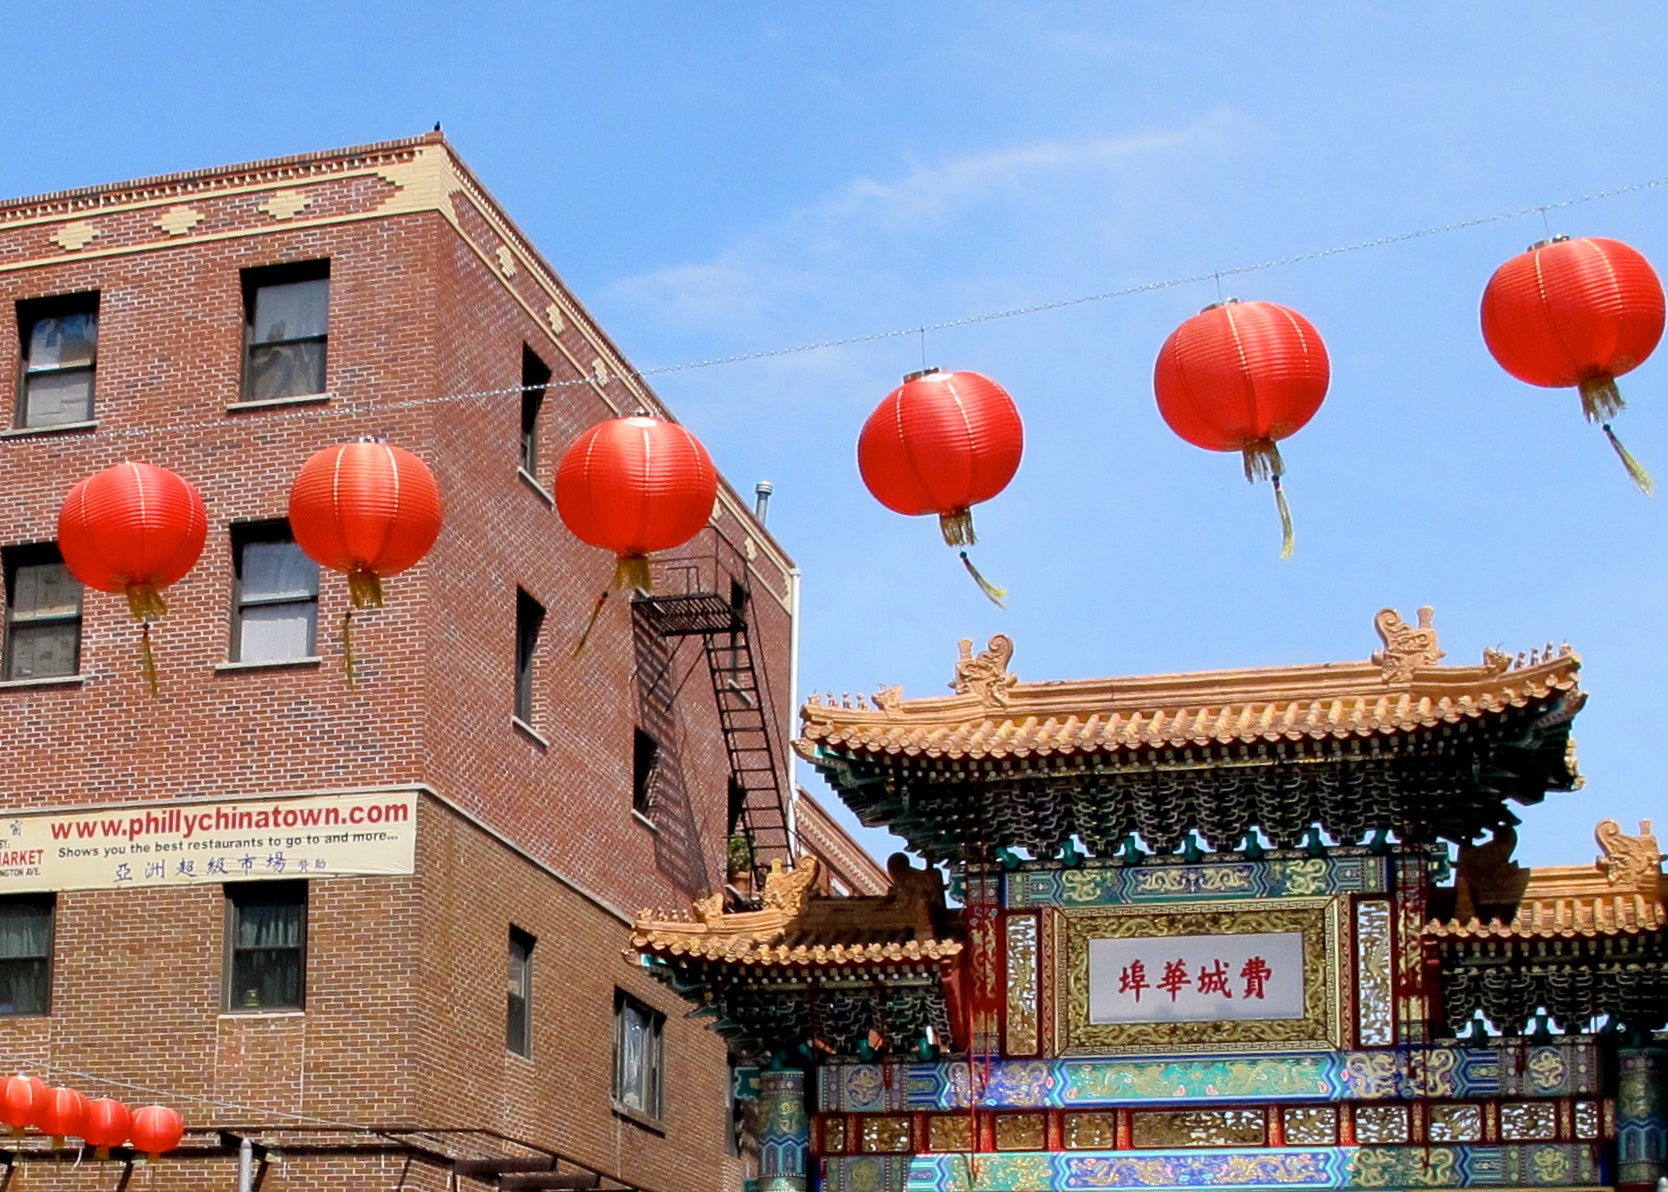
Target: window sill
{"type": "Point", "coordinates": [653, 1125]}
{"type": "Point", "coordinates": [268, 403]}
{"type": "Point", "coordinates": [528, 731]}
{"type": "Point", "coordinates": [645, 821]}
{"type": "Point", "coordinates": [310, 663]}
{"type": "Point", "coordinates": [51, 681]}
{"type": "Point", "coordinates": [532, 482]}
{"type": "Point", "coordinates": [62, 428]}
{"type": "Point", "coordinates": [247, 1015]}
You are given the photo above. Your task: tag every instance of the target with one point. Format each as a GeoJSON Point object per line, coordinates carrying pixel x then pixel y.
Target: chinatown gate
{"type": "Point", "coordinates": [1208, 934]}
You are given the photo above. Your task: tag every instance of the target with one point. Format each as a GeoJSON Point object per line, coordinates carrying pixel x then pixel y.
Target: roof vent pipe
{"type": "Point", "coordinates": [761, 500]}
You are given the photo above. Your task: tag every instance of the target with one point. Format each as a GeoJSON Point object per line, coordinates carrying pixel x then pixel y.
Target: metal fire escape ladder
{"type": "Point", "coordinates": [758, 787]}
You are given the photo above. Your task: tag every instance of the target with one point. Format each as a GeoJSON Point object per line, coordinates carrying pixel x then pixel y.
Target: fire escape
{"type": "Point", "coordinates": [689, 601]}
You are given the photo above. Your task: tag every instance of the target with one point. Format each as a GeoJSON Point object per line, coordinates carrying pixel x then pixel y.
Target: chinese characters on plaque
{"type": "Point", "coordinates": [1196, 978]}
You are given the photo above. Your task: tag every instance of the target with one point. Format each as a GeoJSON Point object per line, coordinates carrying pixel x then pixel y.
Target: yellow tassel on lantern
{"type": "Point", "coordinates": [1262, 460]}
{"type": "Point", "coordinates": [145, 602]}
{"type": "Point", "coordinates": [957, 527]}
{"type": "Point", "coordinates": [1635, 470]}
{"type": "Point", "coordinates": [347, 647]}
{"type": "Point", "coordinates": [364, 589]}
{"type": "Point", "coordinates": [995, 594]}
{"type": "Point", "coordinates": [631, 572]}
{"type": "Point", "coordinates": [1287, 537]}
{"type": "Point", "coordinates": [1600, 399]}
{"type": "Point", "coordinates": [596, 611]}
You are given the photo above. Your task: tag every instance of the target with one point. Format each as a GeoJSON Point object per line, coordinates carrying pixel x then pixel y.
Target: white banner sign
{"type": "Point", "coordinates": [1196, 978]}
{"type": "Point", "coordinates": [180, 844]}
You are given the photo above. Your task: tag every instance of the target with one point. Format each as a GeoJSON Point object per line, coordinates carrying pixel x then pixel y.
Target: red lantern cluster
{"type": "Point", "coordinates": [27, 1103]}
{"type": "Point", "coordinates": [1576, 313]}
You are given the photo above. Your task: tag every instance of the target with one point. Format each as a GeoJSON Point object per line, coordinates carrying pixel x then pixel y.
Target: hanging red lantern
{"type": "Point", "coordinates": [1241, 376]}
{"type": "Point", "coordinates": [156, 1130]}
{"type": "Point", "coordinates": [940, 443]}
{"type": "Point", "coordinates": [106, 1124]}
{"type": "Point", "coordinates": [633, 486]}
{"type": "Point", "coordinates": [22, 1100]}
{"type": "Point", "coordinates": [64, 1114]}
{"type": "Point", "coordinates": [367, 509]}
{"type": "Point", "coordinates": [134, 529]}
{"type": "Point", "coordinates": [1576, 313]}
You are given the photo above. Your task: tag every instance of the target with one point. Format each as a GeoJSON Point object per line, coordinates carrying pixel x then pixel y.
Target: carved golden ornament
{"type": "Point", "coordinates": [949, 1133]}
{"type": "Point", "coordinates": [1020, 1132]}
{"type": "Point", "coordinates": [985, 675]}
{"type": "Point", "coordinates": [885, 1135]}
{"type": "Point", "coordinates": [888, 699]}
{"type": "Point", "coordinates": [834, 1134]}
{"type": "Point", "coordinates": [1406, 647]}
{"type": "Point", "coordinates": [1164, 1129]}
{"type": "Point", "coordinates": [1456, 1123]}
{"type": "Point", "coordinates": [1022, 985]}
{"type": "Point", "coordinates": [1551, 1164]}
{"type": "Point", "coordinates": [1528, 1121]}
{"type": "Point", "coordinates": [1381, 1123]}
{"type": "Point", "coordinates": [1629, 861]}
{"type": "Point", "coordinates": [1091, 1131]}
{"type": "Point", "coordinates": [1375, 1014]}
{"type": "Point", "coordinates": [1311, 1125]}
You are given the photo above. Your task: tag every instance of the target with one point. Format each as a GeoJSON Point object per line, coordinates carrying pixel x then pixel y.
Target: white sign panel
{"type": "Point", "coordinates": [181, 844]}
{"type": "Point", "coordinates": [1196, 978]}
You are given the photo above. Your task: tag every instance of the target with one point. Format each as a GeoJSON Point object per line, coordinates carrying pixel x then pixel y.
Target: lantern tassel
{"type": "Point", "coordinates": [596, 611]}
{"type": "Point", "coordinates": [347, 646]}
{"type": "Point", "coordinates": [1262, 460]}
{"type": "Point", "coordinates": [145, 603]}
{"type": "Point", "coordinates": [995, 594]}
{"type": "Point", "coordinates": [1287, 538]}
{"type": "Point", "coordinates": [957, 528]}
{"type": "Point", "coordinates": [147, 658]}
{"type": "Point", "coordinates": [364, 588]}
{"type": "Point", "coordinates": [1601, 400]}
{"type": "Point", "coordinates": [631, 572]}
{"type": "Point", "coordinates": [1635, 470]}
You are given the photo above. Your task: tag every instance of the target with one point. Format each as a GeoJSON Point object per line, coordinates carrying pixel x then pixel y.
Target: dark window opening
{"type": "Point", "coordinates": [529, 616]}
{"type": "Point", "coordinates": [637, 1057]}
{"type": "Point", "coordinates": [60, 349]}
{"type": "Point", "coordinates": [43, 614]}
{"type": "Point", "coordinates": [26, 954]}
{"type": "Point", "coordinates": [286, 311]}
{"type": "Point", "coordinates": [645, 760]}
{"type": "Point", "coordinates": [535, 375]}
{"type": "Point", "coordinates": [266, 946]}
{"type": "Point", "coordinates": [518, 1016]}
{"type": "Point", "coordinates": [276, 610]}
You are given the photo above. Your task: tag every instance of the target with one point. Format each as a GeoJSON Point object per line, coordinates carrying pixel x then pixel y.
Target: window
{"type": "Point", "coordinates": [535, 375]}
{"type": "Point", "coordinates": [637, 1056]}
{"type": "Point", "coordinates": [25, 954]}
{"type": "Point", "coordinates": [60, 342]}
{"type": "Point", "coordinates": [518, 1014]}
{"type": "Point", "coordinates": [277, 605]}
{"type": "Point", "coordinates": [43, 614]}
{"type": "Point", "coordinates": [286, 310]}
{"type": "Point", "coordinates": [266, 946]}
{"type": "Point", "coordinates": [645, 760]}
{"type": "Point", "coordinates": [529, 615]}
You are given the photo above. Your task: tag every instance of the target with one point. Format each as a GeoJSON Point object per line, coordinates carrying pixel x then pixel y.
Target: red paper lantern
{"type": "Point", "coordinates": [22, 1100]}
{"type": "Point", "coordinates": [636, 485]}
{"type": "Point", "coordinates": [1576, 312]}
{"type": "Point", "coordinates": [367, 509]}
{"type": "Point", "coordinates": [64, 1114]}
{"type": "Point", "coordinates": [133, 528]}
{"type": "Point", "coordinates": [106, 1125]}
{"type": "Point", "coordinates": [940, 443]}
{"type": "Point", "coordinates": [156, 1130]}
{"type": "Point", "coordinates": [1241, 376]}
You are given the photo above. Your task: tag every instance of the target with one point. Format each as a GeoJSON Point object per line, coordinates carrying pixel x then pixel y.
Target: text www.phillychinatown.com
{"type": "Point", "coordinates": [177, 821]}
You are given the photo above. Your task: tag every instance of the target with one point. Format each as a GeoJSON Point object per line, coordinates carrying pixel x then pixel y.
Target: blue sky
{"type": "Point", "coordinates": [719, 180]}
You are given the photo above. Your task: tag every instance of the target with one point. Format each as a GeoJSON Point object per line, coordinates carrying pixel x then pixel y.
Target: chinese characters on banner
{"type": "Point", "coordinates": [179, 844]}
{"type": "Point", "coordinates": [1196, 978]}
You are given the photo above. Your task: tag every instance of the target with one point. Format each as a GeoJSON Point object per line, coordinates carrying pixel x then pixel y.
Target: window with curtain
{"type": "Point", "coordinates": [637, 1056]}
{"type": "Point", "coordinates": [43, 614]}
{"type": "Point", "coordinates": [60, 350]}
{"type": "Point", "coordinates": [26, 954]}
{"type": "Point", "coordinates": [518, 1017]}
{"type": "Point", "coordinates": [266, 946]}
{"type": "Point", "coordinates": [286, 327]}
{"type": "Point", "coordinates": [275, 617]}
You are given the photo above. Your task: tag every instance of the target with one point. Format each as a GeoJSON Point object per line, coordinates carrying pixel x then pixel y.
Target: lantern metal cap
{"type": "Point", "coordinates": [1224, 302]}
{"type": "Point", "coordinates": [1539, 244]}
{"type": "Point", "coordinates": [916, 376]}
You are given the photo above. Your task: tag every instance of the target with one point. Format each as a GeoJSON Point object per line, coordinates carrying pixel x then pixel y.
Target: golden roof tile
{"type": "Point", "coordinates": [1398, 690]}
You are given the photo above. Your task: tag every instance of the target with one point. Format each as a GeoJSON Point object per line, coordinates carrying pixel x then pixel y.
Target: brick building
{"type": "Point", "coordinates": [374, 1009]}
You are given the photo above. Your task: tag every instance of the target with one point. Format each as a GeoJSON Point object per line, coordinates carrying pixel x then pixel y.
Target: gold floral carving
{"type": "Point", "coordinates": [1381, 1123]}
{"type": "Point", "coordinates": [1091, 1131]}
{"type": "Point", "coordinates": [1311, 1125]}
{"type": "Point", "coordinates": [1316, 919]}
{"type": "Point", "coordinates": [986, 675]}
{"type": "Point", "coordinates": [1528, 1121]}
{"type": "Point", "coordinates": [1375, 999]}
{"type": "Point", "coordinates": [1020, 1132]}
{"type": "Point", "coordinates": [1022, 985]}
{"type": "Point", "coordinates": [1406, 647]}
{"type": "Point", "coordinates": [949, 1133]}
{"type": "Point", "coordinates": [1631, 861]}
{"type": "Point", "coordinates": [885, 1135]}
{"type": "Point", "coordinates": [1456, 1123]}
{"type": "Point", "coordinates": [1164, 1129]}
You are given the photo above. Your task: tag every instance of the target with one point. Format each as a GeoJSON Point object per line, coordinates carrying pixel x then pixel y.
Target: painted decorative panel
{"type": "Point", "coordinates": [1455, 1123]}
{"type": "Point", "coordinates": [1167, 1129]}
{"type": "Point", "coordinates": [1310, 1125]}
{"type": "Point", "coordinates": [1381, 1123]}
{"type": "Point", "coordinates": [1376, 1004]}
{"type": "Point", "coordinates": [1091, 1131]}
{"type": "Point", "coordinates": [1083, 992]}
{"type": "Point", "coordinates": [884, 1134]}
{"type": "Point", "coordinates": [1528, 1121]}
{"type": "Point", "coordinates": [1022, 985]}
{"type": "Point", "coordinates": [1020, 1132]}
{"type": "Point", "coordinates": [949, 1133]}
{"type": "Point", "coordinates": [834, 1135]}
{"type": "Point", "coordinates": [1586, 1119]}
{"type": "Point", "coordinates": [1121, 885]}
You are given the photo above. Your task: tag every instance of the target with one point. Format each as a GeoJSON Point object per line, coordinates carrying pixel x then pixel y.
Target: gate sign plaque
{"type": "Point", "coordinates": [1195, 978]}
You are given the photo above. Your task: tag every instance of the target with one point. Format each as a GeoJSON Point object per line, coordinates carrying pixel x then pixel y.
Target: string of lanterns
{"type": "Point", "coordinates": [1238, 376]}
{"type": "Point", "coordinates": [28, 1103]}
